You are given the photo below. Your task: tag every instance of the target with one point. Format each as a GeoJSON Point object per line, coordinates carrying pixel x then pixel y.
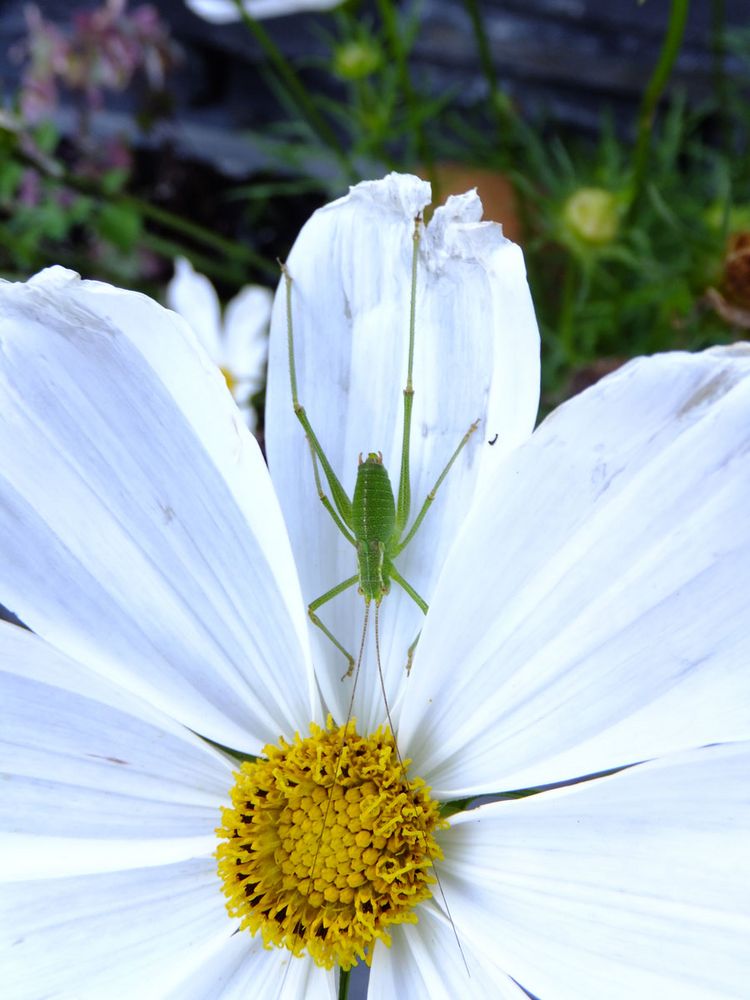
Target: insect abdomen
{"type": "Point", "coordinates": [373, 524]}
{"type": "Point", "coordinates": [373, 506]}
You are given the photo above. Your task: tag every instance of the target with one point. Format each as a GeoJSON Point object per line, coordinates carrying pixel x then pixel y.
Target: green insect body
{"type": "Point", "coordinates": [374, 527]}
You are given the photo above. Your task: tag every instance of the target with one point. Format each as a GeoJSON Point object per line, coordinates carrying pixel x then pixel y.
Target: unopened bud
{"type": "Point", "coordinates": [591, 215]}
{"type": "Point", "coordinates": [355, 60]}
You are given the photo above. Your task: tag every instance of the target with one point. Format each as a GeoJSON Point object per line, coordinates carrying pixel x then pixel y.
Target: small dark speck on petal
{"type": "Point", "coordinates": [112, 760]}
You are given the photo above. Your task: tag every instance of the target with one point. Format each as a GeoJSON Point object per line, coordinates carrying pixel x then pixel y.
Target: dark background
{"type": "Point", "coordinates": [566, 59]}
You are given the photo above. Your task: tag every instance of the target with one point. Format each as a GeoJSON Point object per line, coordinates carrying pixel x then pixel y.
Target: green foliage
{"type": "Point", "coordinates": [625, 236]}
{"type": "Point", "coordinates": [641, 289]}
{"type": "Point", "coordinates": [43, 220]}
{"type": "Point", "coordinates": [119, 225]}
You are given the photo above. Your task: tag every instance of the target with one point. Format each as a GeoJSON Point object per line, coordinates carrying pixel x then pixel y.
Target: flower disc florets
{"type": "Point", "coordinates": [327, 843]}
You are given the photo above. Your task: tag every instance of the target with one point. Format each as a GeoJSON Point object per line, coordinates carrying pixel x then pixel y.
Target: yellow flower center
{"type": "Point", "coordinates": [327, 844]}
{"type": "Point", "coordinates": [229, 378]}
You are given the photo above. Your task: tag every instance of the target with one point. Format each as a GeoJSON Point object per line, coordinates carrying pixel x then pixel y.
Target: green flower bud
{"type": "Point", "coordinates": [355, 60]}
{"type": "Point", "coordinates": [591, 215]}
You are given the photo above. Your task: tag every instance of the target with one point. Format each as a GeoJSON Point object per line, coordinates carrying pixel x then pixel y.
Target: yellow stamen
{"type": "Point", "coordinates": [325, 847]}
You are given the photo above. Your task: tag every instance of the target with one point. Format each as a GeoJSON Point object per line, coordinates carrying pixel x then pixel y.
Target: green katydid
{"type": "Point", "coordinates": [373, 521]}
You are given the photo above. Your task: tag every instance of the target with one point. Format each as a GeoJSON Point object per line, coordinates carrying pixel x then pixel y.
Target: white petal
{"type": "Point", "coordinates": [594, 612]}
{"type": "Point", "coordinates": [95, 780]}
{"type": "Point", "coordinates": [242, 969]}
{"type": "Point", "coordinates": [139, 531]}
{"type": "Point", "coordinates": [249, 414]}
{"type": "Point", "coordinates": [456, 233]}
{"type": "Point", "coordinates": [225, 11]}
{"type": "Point", "coordinates": [246, 335]}
{"type": "Point", "coordinates": [119, 935]}
{"type": "Point", "coordinates": [424, 963]}
{"type": "Point", "coordinates": [476, 357]}
{"type": "Point", "coordinates": [635, 885]}
{"type": "Point", "coordinates": [194, 297]}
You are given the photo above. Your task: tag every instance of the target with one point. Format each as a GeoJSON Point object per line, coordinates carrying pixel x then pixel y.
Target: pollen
{"type": "Point", "coordinates": [327, 844]}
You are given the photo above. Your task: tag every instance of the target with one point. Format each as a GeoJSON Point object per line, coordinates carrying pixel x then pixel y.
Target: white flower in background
{"type": "Point", "coordinates": [590, 615]}
{"type": "Point", "coordinates": [225, 11]}
{"type": "Point", "coordinates": [238, 344]}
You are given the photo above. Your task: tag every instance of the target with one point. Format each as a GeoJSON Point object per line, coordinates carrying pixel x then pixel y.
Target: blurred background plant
{"type": "Point", "coordinates": [59, 196]}
{"type": "Point", "coordinates": [635, 219]}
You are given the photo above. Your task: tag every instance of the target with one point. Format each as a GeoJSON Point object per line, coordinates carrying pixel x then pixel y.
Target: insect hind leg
{"type": "Point", "coordinates": [410, 652]}
{"type": "Point", "coordinates": [324, 499]}
{"type": "Point", "coordinates": [324, 599]}
{"type": "Point", "coordinates": [421, 604]}
{"type": "Point", "coordinates": [340, 499]}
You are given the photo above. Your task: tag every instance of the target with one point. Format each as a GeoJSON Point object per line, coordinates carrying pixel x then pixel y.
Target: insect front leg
{"type": "Point", "coordinates": [340, 498]}
{"type": "Point", "coordinates": [431, 495]}
{"type": "Point", "coordinates": [319, 602]}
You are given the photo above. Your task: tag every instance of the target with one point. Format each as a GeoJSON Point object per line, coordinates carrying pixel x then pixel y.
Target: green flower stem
{"type": "Point", "coordinates": [294, 88]}
{"type": "Point", "coordinates": [394, 37]}
{"type": "Point", "coordinates": [485, 56]}
{"type": "Point", "coordinates": [54, 172]}
{"type": "Point", "coordinates": [566, 328]}
{"type": "Point", "coordinates": [722, 91]}
{"type": "Point", "coordinates": [217, 268]}
{"type": "Point", "coordinates": [498, 100]}
{"type": "Point", "coordinates": [364, 99]}
{"type": "Point", "coordinates": [235, 251]}
{"type": "Point", "coordinates": [344, 984]}
{"type": "Point", "coordinates": [669, 51]}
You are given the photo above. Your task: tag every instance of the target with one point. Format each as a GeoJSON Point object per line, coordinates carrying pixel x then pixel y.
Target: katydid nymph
{"type": "Point", "coordinates": [373, 520]}
{"type": "Point", "coordinates": [376, 524]}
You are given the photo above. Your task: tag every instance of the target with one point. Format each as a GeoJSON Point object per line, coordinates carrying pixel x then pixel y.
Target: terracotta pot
{"type": "Point", "coordinates": [495, 190]}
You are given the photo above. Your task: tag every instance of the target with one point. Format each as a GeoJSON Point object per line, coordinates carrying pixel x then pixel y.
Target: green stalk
{"type": "Point", "coordinates": [394, 38]}
{"type": "Point", "coordinates": [191, 230]}
{"type": "Point", "coordinates": [344, 984]}
{"type": "Point", "coordinates": [294, 87]}
{"type": "Point", "coordinates": [566, 330]}
{"type": "Point", "coordinates": [721, 87]}
{"type": "Point", "coordinates": [235, 251]}
{"type": "Point", "coordinates": [217, 268]}
{"type": "Point", "coordinates": [669, 51]}
{"type": "Point", "coordinates": [498, 100]}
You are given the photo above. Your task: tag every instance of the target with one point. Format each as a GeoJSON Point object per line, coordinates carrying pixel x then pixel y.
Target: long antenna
{"type": "Point", "coordinates": [409, 790]}
{"type": "Point", "coordinates": [349, 712]}
{"type": "Point", "coordinates": [343, 740]}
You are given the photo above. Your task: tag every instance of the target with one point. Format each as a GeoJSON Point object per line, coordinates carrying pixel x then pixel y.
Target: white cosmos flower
{"type": "Point", "coordinates": [225, 11]}
{"type": "Point", "coordinates": [590, 615]}
{"type": "Point", "coordinates": [238, 344]}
